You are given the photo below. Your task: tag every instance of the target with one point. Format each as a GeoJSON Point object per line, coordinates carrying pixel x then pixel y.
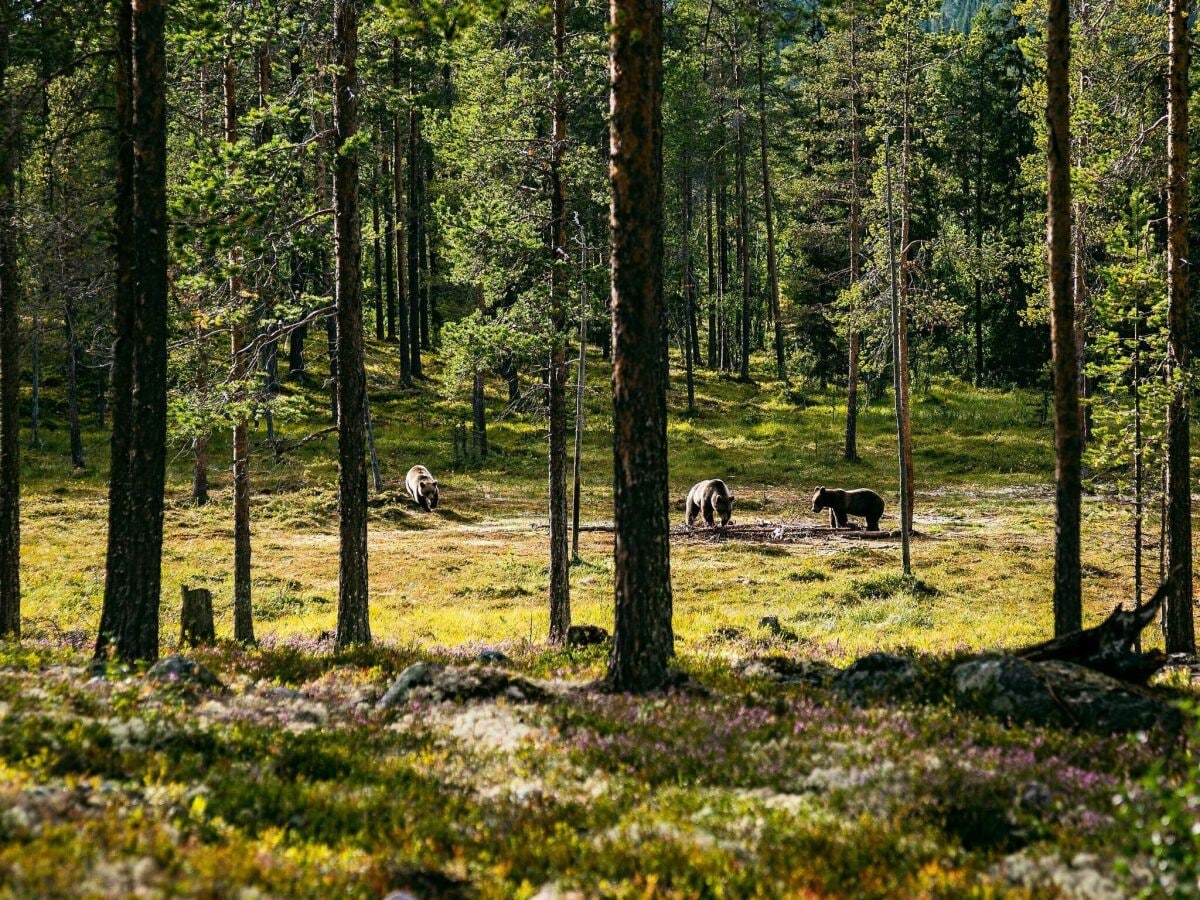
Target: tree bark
{"type": "Point", "coordinates": [1068, 608]}
{"type": "Point", "coordinates": [902, 363]}
{"type": "Point", "coordinates": [689, 356]}
{"type": "Point", "coordinates": [414, 241]}
{"type": "Point", "coordinates": [353, 624]}
{"type": "Point", "coordinates": [10, 357]}
{"type": "Point", "coordinates": [743, 243]}
{"type": "Point", "coordinates": [196, 617]}
{"type": "Point", "coordinates": [711, 283]}
{"type": "Point", "coordinates": [768, 212]}
{"type": "Point", "coordinates": [377, 256]}
{"type": "Point", "coordinates": [389, 243]}
{"type": "Point", "coordinates": [851, 447]}
{"type": "Point", "coordinates": [77, 459]}
{"type": "Point", "coordinates": [560, 561]}
{"type": "Point", "coordinates": [243, 610]}
{"type": "Point", "coordinates": [1179, 619]}
{"type": "Point", "coordinates": [398, 237]}
{"type": "Point", "coordinates": [643, 640]}
{"type": "Point", "coordinates": [580, 384]}
{"type": "Point", "coordinates": [899, 361]}
{"type": "Point", "coordinates": [134, 560]}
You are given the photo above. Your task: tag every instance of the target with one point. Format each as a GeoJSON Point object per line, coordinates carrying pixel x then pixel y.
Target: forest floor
{"type": "Point", "coordinates": [294, 784]}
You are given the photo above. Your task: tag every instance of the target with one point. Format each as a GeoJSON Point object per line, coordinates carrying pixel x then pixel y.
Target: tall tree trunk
{"type": "Point", "coordinates": [401, 242]}
{"type": "Point", "coordinates": [10, 356]}
{"type": "Point", "coordinates": [580, 384]}
{"type": "Point", "coordinates": [35, 394]}
{"type": "Point", "coordinates": [768, 213]}
{"type": "Point", "coordinates": [850, 451]}
{"type": "Point", "coordinates": [899, 362]}
{"type": "Point", "coordinates": [134, 562]}
{"type": "Point", "coordinates": [1068, 608]}
{"type": "Point", "coordinates": [296, 264]}
{"type": "Point", "coordinates": [1179, 619]}
{"type": "Point", "coordinates": [243, 609]}
{"type": "Point", "coordinates": [643, 639]}
{"type": "Point", "coordinates": [560, 561]}
{"type": "Point", "coordinates": [353, 624]}
{"type": "Point", "coordinates": [688, 281]}
{"type": "Point", "coordinates": [902, 363]}
{"type": "Point", "coordinates": [270, 344]}
{"type": "Point", "coordinates": [711, 283]}
{"type": "Point", "coordinates": [743, 237]}
{"type": "Point", "coordinates": [77, 459]}
{"type": "Point", "coordinates": [377, 250]}
{"type": "Point", "coordinates": [414, 240]}
{"type": "Point", "coordinates": [389, 244]}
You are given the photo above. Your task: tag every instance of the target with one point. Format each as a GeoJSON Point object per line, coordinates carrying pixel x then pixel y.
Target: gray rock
{"type": "Point", "coordinates": [876, 676]}
{"type": "Point", "coordinates": [492, 656]}
{"type": "Point", "coordinates": [1059, 693]}
{"type": "Point", "coordinates": [416, 675]}
{"type": "Point", "coordinates": [183, 671]}
{"type": "Point", "coordinates": [784, 670]}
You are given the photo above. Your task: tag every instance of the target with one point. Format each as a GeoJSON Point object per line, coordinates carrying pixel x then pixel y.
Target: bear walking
{"type": "Point", "coordinates": [422, 487]}
{"type": "Point", "coordinates": [708, 499]}
{"type": "Point", "coordinates": [861, 502]}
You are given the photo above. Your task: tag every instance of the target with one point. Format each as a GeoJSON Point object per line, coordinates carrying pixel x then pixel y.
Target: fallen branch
{"type": "Point", "coordinates": [1108, 647]}
{"type": "Point", "coordinates": [282, 447]}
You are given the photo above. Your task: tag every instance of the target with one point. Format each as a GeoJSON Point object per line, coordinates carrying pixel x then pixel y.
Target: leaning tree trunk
{"type": "Point", "coordinates": [1068, 608]}
{"type": "Point", "coordinates": [643, 640]}
{"type": "Point", "coordinates": [560, 560]}
{"type": "Point", "coordinates": [134, 561]}
{"type": "Point", "coordinates": [353, 625]}
{"type": "Point", "coordinates": [1179, 619]}
{"type": "Point", "coordinates": [10, 359]}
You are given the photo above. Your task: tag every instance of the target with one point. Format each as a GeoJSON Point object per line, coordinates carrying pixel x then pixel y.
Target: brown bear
{"type": "Point", "coordinates": [708, 497]}
{"type": "Point", "coordinates": [861, 502]}
{"type": "Point", "coordinates": [422, 487]}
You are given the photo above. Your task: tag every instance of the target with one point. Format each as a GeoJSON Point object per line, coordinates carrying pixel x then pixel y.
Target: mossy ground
{"type": "Point", "coordinates": [112, 786]}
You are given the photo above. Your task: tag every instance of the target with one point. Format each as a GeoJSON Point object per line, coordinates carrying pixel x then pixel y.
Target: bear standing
{"type": "Point", "coordinates": [422, 487]}
{"type": "Point", "coordinates": [861, 502]}
{"type": "Point", "coordinates": [707, 498]}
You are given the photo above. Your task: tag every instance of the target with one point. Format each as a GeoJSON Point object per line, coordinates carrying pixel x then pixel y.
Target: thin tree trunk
{"type": "Point", "coordinates": [10, 357]}
{"type": "Point", "coordinates": [134, 562]}
{"type": "Point", "coordinates": [768, 214]}
{"type": "Point", "coordinates": [1068, 608]}
{"type": "Point", "coordinates": [643, 639]}
{"type": "Point", "coordinates": [478, 397]}
{"type": "Point", "coordinates": [399, 237]}
{"type": "Point", "coordinates": [560, 561]}
{"type": "Point", "coordinates": [77, 460]}
{"type": "Point", "coordinates": [353, 624]}
{"type": "Point", "coordinates": [414, 241]}
{"type": "Point", "coordinates": [688, 281]}
{"type": "Point", "coordinates": [1179, 618]}
{"type": "Point", "coordinates": [580, 383]}
{"type": "Point", "coordinates": [389, 244]}
{"type": "Point", "coordinates": [850, 451]}
{"type": "Point", "coordinates": [743, 237]}
{"type": "Point", "coordinates": [376, 473]}
{"type": "Point", "coordinates": [377, 248]}
{"type": "Point", "coordinates": [243, 609]}
{"type": "Point", "coordinates": [902, 363]}
{"type": "Point", "coordinates": [711, 284]}
{"type": "Point", "coordinates": [35, 398]}
{"type": "Point", "coordinates": [1139, 506]}
{"type": "Point", "coordinates": [899, 361]}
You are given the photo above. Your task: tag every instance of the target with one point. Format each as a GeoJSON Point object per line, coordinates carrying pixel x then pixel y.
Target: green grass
{"type": "Point", "coordinates": [114, 786]}
{"type": "Point", "coordinates": [476, 569]}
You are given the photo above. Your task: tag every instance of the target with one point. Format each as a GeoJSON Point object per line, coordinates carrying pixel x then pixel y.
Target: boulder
{"type": "Point", "coordinates": [876, 676]}
{"type": "Point", "coordinates": [437, 683]}
{"type": "Point", "coordinates": [179, 670]}
{"type": "Point", "coordinates": [1059, 693]}
{"type": "Point", "coordinates": [784, 670]}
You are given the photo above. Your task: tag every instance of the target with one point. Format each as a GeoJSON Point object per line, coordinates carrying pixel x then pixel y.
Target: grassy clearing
{"type": "Point", "coordinates": [293, 785]}
{"type": "Point", "coordinates": [475, 570]}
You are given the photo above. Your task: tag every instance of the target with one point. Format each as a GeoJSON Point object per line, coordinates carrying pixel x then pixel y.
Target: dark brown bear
{"type": "Point", "coordinates": [861, 502]}
{"type": "Point", "coordinates": [708, 497]}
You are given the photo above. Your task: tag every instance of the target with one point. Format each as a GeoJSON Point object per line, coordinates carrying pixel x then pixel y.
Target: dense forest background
{"type": "Point", "coordinates": [776, 120]}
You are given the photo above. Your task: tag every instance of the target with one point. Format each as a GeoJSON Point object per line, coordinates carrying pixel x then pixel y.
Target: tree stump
{"type": "Point", "coordinates": [196, 619]}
